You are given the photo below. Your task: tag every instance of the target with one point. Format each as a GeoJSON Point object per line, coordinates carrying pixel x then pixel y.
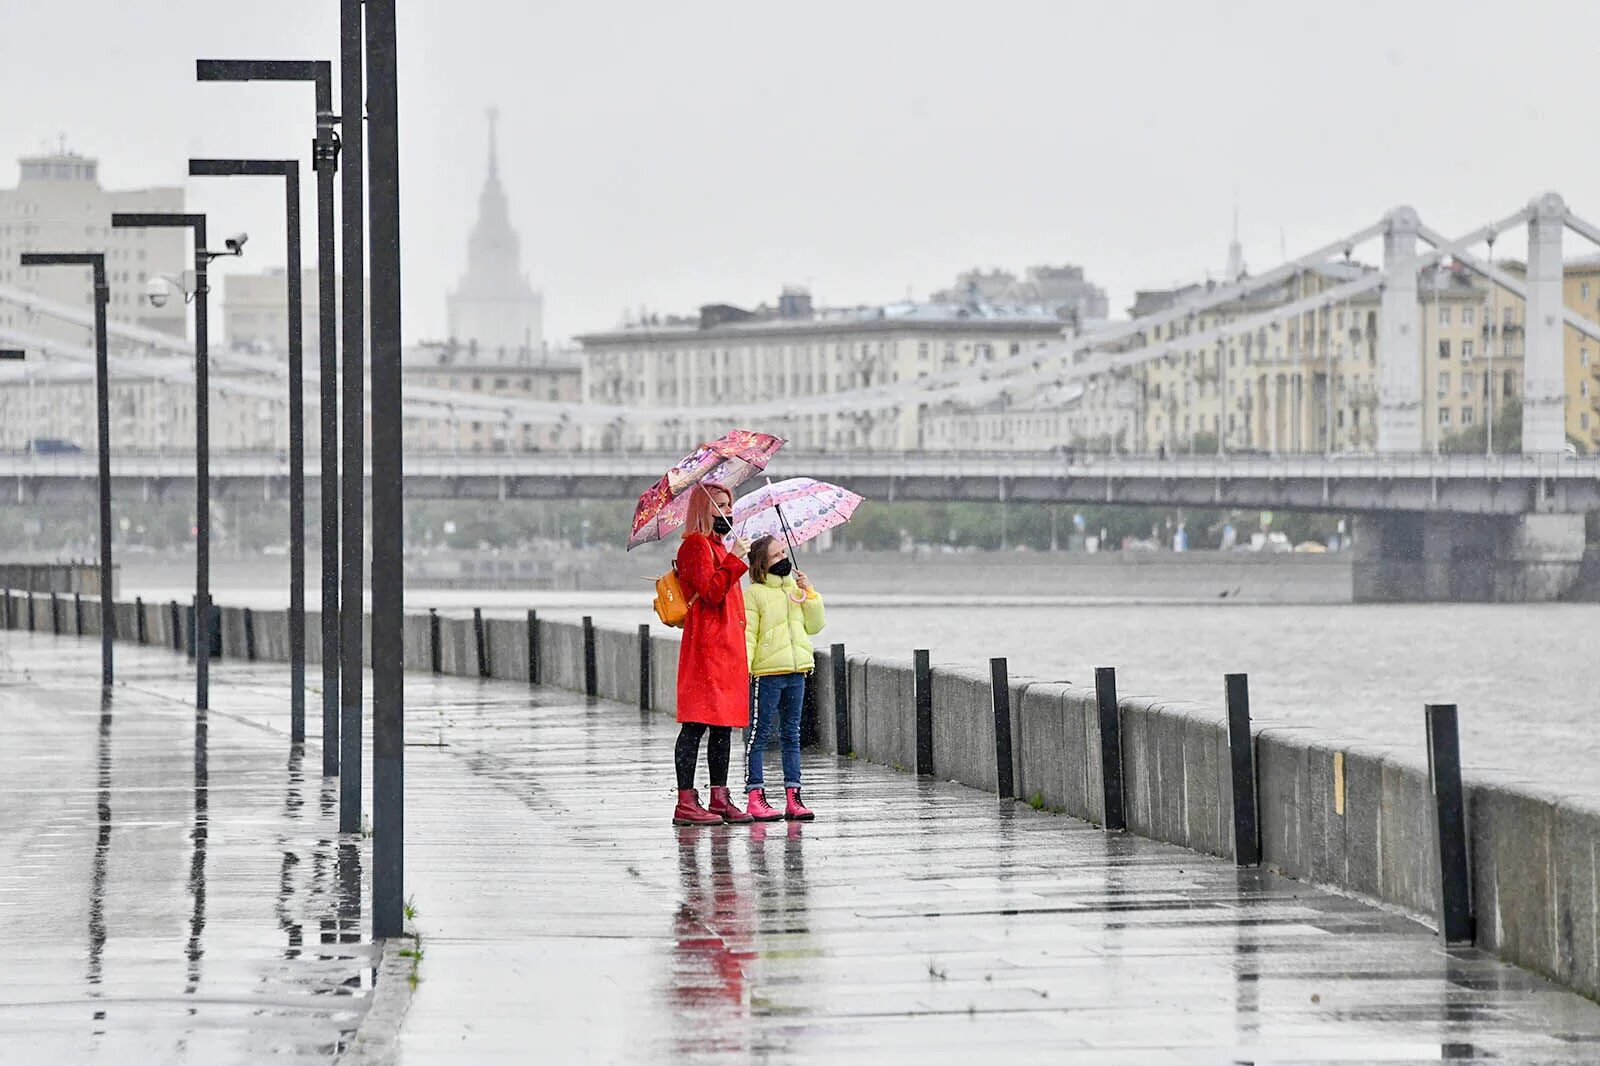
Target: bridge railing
{"type": "Point", "coordinates": [1052, 463]}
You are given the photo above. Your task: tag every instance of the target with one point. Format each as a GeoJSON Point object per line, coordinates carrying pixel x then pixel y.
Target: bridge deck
{"type": "Point", "coordinates": [564, 918]}
{"type": "Point", "coordinates": [1468, 484]}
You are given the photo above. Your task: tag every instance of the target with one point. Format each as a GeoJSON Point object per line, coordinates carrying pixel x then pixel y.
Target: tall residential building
{"type": "Point", "coordinates": [58, 205]}
{"type": "Point", "coordinates": [493, 306]}
{"type": "Point", "coordinates": [729, 355]}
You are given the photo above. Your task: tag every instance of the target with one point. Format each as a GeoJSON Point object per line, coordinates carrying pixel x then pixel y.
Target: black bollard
{"type": "Point", "coordinates": [922, 692]}
{"type": "Point", "coordinates": [644, 666]}
{"type": "Point", "coordinates": [478, 639]}
{"type": "Point", "coordinates": [55, 614]}
{"type": "Point", "coordinates": [1000, 697]}
{"type": "Point", "coordinates": [1105, 690]}
{"type": "Point", "coordinates": [77, 612]}
{"type": "Point", "coordinates": [591, 686]}
{"type": "Point", "coordinates": [841, 699]}
{"type": "Point", "coordinates": [249, 635]}
{"type": "Point", "coordinates": [1444, 773]}
{"type": "Point", "coordinates": [1242, 753]}
{"type": "Point", "coordinates": [808, 712]}
{"type": "Point", "coordinates": [5, 615]}
{"type": "Point", "coordinates": [533, 647]}
{"type": "Point", "coordinates": [177, 628]}
{"type": "Point", "coordinates": [435, 651]}
{"type": "Point", "coordinates": [139, 633]}
{"type": "Point", "coordinates": [30, 610]}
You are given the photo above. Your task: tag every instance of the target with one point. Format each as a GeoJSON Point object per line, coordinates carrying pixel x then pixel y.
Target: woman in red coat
{"type": "Point", "coordinates": [713, 665]}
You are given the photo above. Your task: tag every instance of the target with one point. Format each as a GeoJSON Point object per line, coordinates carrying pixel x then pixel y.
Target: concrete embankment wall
{"type": "Point", "coordinates": [1332, 810]}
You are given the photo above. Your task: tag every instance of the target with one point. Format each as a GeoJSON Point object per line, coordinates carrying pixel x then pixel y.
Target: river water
{"type": "Point", "coordinates": [1526, 677]}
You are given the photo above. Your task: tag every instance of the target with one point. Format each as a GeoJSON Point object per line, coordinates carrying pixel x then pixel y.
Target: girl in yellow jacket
{"type": "Point", "coordinates": [782, 612]}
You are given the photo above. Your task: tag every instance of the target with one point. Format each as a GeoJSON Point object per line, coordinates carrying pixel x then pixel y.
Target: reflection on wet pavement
{"type": "Point", "coordinates": [158, 868]}
{"type": "Point", "coordinates": [568, 921]}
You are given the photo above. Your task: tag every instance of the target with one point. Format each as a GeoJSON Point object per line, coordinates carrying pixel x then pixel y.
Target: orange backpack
{"type": "Point", "coordinates": [670, 605]}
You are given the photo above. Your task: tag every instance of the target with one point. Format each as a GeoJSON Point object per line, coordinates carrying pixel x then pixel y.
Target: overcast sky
{"type": "Point", "coordinates": [668, 155]}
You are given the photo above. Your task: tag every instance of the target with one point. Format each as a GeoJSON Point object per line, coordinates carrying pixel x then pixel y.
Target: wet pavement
{"type": "Point", "coordinates": [178, 894]}
{"type": "Point", "coordinates": [173, 888]}
{"type": "Point", "coordinates": [566, 920]}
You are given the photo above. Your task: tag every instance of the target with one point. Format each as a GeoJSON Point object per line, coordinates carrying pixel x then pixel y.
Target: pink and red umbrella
{"type": "Point", "coordinates": [729, 460]}
{"type": "Point", "coordinates": [797, 509]}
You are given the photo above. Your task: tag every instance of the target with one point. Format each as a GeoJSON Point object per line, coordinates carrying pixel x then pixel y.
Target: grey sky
{"type": "Point", "coordinates": [667, 155]}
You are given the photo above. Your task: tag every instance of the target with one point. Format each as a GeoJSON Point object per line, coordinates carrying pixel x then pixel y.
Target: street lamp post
{"type": "Point", "coordinates": [325, 161]}
{"type": "Point", "coordinates": [388, 473]}
{"type": "Point", "coordinates": [196, 224]}
{"type": "Point", "coordinates": [353, 491]}
{"type": "Point", "coordinates": [289, 171]}
{"type": "Point", "coordinates": [96, 262]}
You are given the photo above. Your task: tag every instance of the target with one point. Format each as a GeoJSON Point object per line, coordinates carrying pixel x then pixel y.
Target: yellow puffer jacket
{"type": "Point", "coordinates": [779, 621]}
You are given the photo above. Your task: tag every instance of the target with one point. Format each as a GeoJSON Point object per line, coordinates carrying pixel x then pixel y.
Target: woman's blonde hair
{"type": "Point", "coordinates": [701, 513]}
{"type": "Point", "coordinates": [758, 558]}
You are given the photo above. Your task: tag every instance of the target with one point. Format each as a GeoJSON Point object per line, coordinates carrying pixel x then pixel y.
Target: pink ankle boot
{"type": "Point", "coordinates": [689, 811]}
{"type": "Point", "coordinates": [759, 810]}
{"type": "Point", "coordinates": [723, 806]}
{"type": "Point", "coordinates": [797, 811]}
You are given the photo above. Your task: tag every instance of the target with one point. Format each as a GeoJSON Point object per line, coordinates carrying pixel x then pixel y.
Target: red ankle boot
{"type": "Point", "coordinates": [723, 806]}
{"type": "Point", "coordinates": [797, 811]}
{"type": "Point", "coordinates": [689, 811]}
{"type": "Point", "coordinates": [758, 808]}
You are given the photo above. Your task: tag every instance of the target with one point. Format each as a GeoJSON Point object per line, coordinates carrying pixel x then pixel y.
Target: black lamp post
{"type": "Point", "coordinates": [96, 262]}
{"type": "Point", "coordinates": [196, 224]}
{"type": "Point", "coordinates": [289, 171]}
{"type": "Point", "coordinates": [388, 472]}
{"type": "Point", "coordinates": [352, 494]}
{"type": "Point", "coordinates": [325, 161]}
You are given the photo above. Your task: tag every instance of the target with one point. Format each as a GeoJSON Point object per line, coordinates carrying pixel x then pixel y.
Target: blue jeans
{"type": "Point", "coordinates": [775, 698]}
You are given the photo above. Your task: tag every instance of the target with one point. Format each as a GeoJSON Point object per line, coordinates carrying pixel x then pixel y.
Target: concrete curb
{"type": "Point", "coordinates": [377, 1040]}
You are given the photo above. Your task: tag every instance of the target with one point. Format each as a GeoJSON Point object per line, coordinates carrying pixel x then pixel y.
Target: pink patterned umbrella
{"type": "Point", "coordinates": [729, 460]}
{"type": "Point", "coordinates": [797, 509]}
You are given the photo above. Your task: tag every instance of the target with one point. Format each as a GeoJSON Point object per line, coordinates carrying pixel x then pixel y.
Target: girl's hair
{"type": "Point", "coordinates": [758, 558]}
{"type": "Point", "coordinates": [701, 513]}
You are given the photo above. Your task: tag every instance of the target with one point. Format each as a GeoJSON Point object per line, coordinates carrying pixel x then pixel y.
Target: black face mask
{"type": "Point", "coordinates": [721, 526]}
{"type": "Point", "coordinates": [781, 568]}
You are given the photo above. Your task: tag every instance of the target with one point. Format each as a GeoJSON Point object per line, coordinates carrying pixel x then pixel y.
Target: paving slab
{"type": "Point", "coordinates": [566, 919]}
{"type": "Point", "coordinates": [173, 888]}
{"type": "Point", "coordinates": [176, 891]}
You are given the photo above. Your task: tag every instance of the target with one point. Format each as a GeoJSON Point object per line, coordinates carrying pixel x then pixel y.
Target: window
{"type": "Point", "coordinates": [1583, 357]}
{"type": "Point", "coordinates": [1466, 350]}
{"type": "Point", "coordinates": [1583, 291]}
{"type": "Point", "coordinates": [1444, 349]}
{"type": "Point", "coordinates": [1444, 416]}
{"type": "Point", "coordinates": [1583, 420]}
{"type": "Point", "coordinates": [1509, 317]}
{"type": "Point", "coordinates": [1466, 416]}
{"type": "Point", "coordinates": [1444, 314]}
{"type": "Point", "coordinates": [1468, 315]}
{"type": "Point", "coordinates": [1467, 381]}
{"type": "Point", "coordinates": [1583, 387]}
{"type": "Point", "coordinates": [1444, 384]}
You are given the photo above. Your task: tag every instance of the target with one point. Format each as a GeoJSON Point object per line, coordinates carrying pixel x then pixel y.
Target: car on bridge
{"type": "Point", "coordinates": [51, 446]}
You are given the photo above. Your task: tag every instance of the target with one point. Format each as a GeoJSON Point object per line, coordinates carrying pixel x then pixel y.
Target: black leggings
{"type": "Point", "coordinates": [687, 752]}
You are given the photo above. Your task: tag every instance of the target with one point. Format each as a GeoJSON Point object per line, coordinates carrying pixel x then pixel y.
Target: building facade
{"type": "Point", "coordinates": [732, 356]}
{"type": "Point", "coordinates": [59, 205]}
{"type": "Point", "coordinates": [552, 376]}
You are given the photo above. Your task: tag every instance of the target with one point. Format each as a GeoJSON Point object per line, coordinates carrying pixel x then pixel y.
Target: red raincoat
{"type": "Point", "coordinates": [713, 666]}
